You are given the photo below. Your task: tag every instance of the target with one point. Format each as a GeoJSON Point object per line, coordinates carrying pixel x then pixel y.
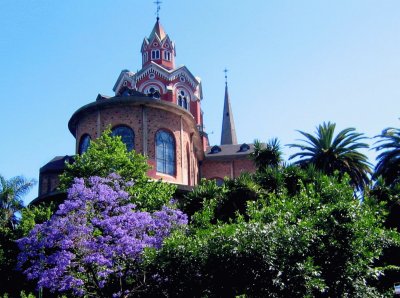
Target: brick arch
{"type": "Point", "coordinates": [149, 83]}
{"type": "Point", "coordinates": [185, 87]}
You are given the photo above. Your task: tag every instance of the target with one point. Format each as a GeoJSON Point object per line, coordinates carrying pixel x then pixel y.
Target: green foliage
{"type": "Point", "coordinates": [389, 197]}
{"type": "Point", "coordinates": [12, 281]}
{"type": "Point", "coordinates": [340, 153]}
{"type": "Point", "coordinates": [11, 202]}
{"type": "Point", "coordinates": [11, 194]}
{"type": "Point", "coordinates": [315, 240]}
{"type": "Point", "coordinates": [209, 203]}
{"type": "Point", "coordinates": [268, 155]}
{"type": "Point", "coordinates": [108, 154]}
{"type": "Point", "coordinates": [105, 155]}
{"type": "Point", "coordinates": [204, 192]}
{"type": "Point", "coordinates": [32, 215]}
{"type": "Point", "coordinates": [388, 165]}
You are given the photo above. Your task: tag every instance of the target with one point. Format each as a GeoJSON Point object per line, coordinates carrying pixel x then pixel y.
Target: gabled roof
{"type": "Point", "coordinates": [168, 74]}
{"type": "Point", "coordinates": [120, 77]}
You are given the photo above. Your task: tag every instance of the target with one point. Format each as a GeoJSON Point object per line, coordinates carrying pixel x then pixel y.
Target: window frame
{"type": "Point", "coordinates": [155, 54]}
{"type": "Point", "coordinates": [165, 144]}
{"type": "Point", "coordinates": [83, 138]}
{"type": "Point", "coordinates": [123, 126]}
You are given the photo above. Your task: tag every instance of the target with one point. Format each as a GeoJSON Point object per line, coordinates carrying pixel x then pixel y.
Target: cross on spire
{"type": "Point", "coordinates": [226, 76]}
{"type": "Point", "coordinates": [158, 2]}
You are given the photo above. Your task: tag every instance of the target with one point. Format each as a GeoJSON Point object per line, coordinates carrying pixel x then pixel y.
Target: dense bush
{"type": "Point", "coordinates": [320, 242]}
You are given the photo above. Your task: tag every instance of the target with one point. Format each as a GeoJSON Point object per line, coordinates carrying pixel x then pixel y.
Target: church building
{"type": "Point", "coordinates": [157, 112]}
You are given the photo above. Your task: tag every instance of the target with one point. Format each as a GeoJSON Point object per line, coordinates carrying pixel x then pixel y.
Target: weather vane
{"type": "Point", "coordinates": [226, 76]}
{"type": "Point", "coordinates": [158, 2]}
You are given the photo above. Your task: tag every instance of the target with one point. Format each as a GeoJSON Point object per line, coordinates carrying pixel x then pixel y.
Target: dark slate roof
{"type": "Point", "coordinates": [57, 164]}
{"type": "Point", "coordinates": [229, 152]}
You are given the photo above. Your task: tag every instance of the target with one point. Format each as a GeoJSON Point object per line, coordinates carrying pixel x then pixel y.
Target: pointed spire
{"type": "Point", "coordinates": [157, 30]}
{"type": "Point", "coordinates": [228, 133]}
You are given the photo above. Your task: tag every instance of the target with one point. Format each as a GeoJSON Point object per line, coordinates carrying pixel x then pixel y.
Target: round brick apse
{"type": "Point", "coordinates": [145, 117]}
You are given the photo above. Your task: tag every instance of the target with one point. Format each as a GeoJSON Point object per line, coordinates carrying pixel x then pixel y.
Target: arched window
{"type": "Point", "coordinates": [183, 99]}
{"type": "Point", "coordinates": [165, 152]}
{"type": "Point", "coordinates": [153, 92]}
{"type": "Point", "coordinates": [145, 57]}
{"type": "Point", "coordinates": [127, 136]}
{"type": "Point", "coordinates": [167, 55]}
{"type": "Point", "coordinates": [155, 54]}
{"type": "Point", "coordinates": [84, 144]}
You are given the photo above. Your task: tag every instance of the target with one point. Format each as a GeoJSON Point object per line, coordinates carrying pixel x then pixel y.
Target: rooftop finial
{"type": "Point", "coordinates": [226, 76]}
{"type": "Point", "coordinates": [158, 2]}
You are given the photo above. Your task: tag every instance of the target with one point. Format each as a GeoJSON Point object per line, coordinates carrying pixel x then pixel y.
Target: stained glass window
{"type": "Point", "coordinates": [127, 136]}
{"type": "Point", "coordinates": [84, 144]}
{"type": "Point", "coordinates": [165, 152]}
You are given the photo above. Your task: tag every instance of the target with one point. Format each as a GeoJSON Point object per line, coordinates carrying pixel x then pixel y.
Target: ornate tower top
{"type": "Point", "coordinates": [158, 47]}
{"type": "Point", "coordinates": [228, 133]}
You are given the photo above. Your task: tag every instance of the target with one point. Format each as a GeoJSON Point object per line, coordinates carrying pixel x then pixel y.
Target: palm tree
{"type": "Point", "coordinates": [388, 165]}
{"type": "Point", "coordinates": [267, 155]}
{"type": "Point", "coordinates": [11, 193]}
{"type": "Point", "coordinates": [329, 154]}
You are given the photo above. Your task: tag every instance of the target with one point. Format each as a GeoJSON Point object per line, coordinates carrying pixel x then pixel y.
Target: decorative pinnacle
{"type": "Point", "coordinates": [226, 76]}
{"type": "Point", "coordinates": [158, 2]}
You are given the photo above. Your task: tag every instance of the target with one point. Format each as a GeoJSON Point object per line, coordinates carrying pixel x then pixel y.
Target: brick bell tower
{"type": "Point", "coordinates": [160, 78]}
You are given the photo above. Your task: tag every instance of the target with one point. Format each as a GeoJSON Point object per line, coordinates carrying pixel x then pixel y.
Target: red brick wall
{"type": "Point", "coordinates": [221, 169]}
{"type": "Point", "coordinates": [132, 115]}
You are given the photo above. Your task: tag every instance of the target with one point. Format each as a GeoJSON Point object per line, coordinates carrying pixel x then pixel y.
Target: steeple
{"type": "Point", "coordinates": [157, 30]}
{"type": "Point", "coordinates": [158, 48]}
{"type": "Point", "coordinates": [228, 133]}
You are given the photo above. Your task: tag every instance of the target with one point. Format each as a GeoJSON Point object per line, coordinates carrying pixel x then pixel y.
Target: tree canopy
{"type": "Point", "coordinates": [11, 194]}
{"type": "Point", "coordinates": [93, 244]}
{"type": "Point", "coordinates": [317, 241]}
{"type": "Point", "coordinates": [329, 153]}
{"type": "Point", "coordinates": [388, 165]}
{"type": "Point", "coordinates": [268, 155]}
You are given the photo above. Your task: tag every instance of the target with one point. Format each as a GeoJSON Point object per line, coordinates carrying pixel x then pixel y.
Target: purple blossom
{"type": "Point", "coordinates": [95, 238]}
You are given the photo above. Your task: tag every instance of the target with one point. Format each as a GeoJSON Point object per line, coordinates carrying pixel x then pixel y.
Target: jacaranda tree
{"type": "Point", "coordinates": [92, 246]}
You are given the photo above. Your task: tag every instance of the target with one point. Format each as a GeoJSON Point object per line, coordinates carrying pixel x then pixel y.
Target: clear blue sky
{"type": "Point", "coordinates": [293, 64]}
